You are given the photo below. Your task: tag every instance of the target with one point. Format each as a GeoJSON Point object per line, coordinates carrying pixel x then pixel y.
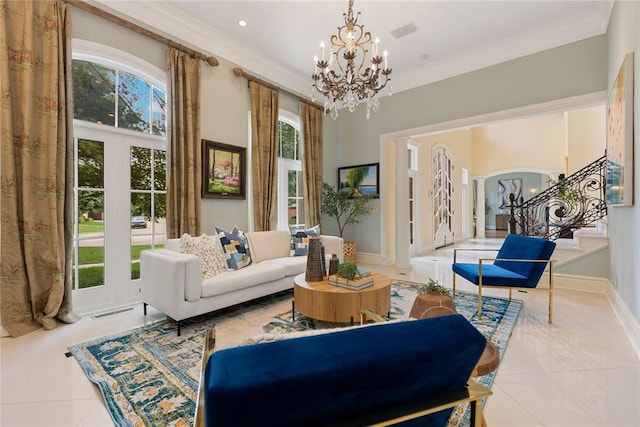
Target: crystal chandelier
{"type": "Point", "coordinates": [346, 78]}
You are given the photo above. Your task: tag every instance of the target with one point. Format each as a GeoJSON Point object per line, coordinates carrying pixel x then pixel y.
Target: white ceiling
{"type": "Point", "coordinates": [282, 37]}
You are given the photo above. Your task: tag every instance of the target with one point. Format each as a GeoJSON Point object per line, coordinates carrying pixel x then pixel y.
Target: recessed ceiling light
{"type": "Point", "coordinates": [242, 23]}
{"type": "Point", "coordinates": [424, 56]}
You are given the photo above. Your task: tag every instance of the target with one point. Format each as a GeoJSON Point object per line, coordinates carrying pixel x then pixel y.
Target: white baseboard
{"type": "Point", "coordinates": [598, 285]}
{"type": "Point", "coordinates": [625, 316]}
{"type": "Point", "coordinates": [371, 258]}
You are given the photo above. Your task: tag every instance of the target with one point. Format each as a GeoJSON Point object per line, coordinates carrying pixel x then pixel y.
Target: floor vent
{"type": "Point", "coordinates": [109, 313]}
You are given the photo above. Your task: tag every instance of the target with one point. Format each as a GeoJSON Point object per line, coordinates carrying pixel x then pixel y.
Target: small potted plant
{"type": "Point", "coordinates": [348, 270]}
{"type": "Point", "coordinates": [433, 287]}
{"type": "Point", "coordinates": [433, 300]}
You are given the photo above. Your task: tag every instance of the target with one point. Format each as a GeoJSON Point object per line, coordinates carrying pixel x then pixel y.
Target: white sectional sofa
{"type": "Point", "coordinates": [171, 281]}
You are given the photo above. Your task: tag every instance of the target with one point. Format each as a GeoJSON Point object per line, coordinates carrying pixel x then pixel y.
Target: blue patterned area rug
{"type": "Point", "coordinates": [149, 376]}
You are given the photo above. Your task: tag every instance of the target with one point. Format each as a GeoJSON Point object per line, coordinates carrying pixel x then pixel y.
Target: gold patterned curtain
{"type": "Point", "coordinates": [184, 189]}
{"type": "Point", "coordinates": [264, 155]}
{"type": "Point", "coordinates": [36, 170]}
{"type": "Point", "coordinates": [311, 118]}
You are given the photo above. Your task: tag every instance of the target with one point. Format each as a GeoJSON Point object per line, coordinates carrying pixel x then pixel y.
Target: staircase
{"type": "Point", "coordinates": [585, 241]}
{"type": "Point", "coordinates": [572, 212]}
{"type": "Point", "coordinates": [571, 204]}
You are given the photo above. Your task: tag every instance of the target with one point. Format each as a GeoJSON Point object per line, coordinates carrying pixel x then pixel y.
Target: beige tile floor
{"type": "Point", "coordinates": [579, 371]}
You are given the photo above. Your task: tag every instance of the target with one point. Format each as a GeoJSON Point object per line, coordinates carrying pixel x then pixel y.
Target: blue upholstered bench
{"type": "Point", "coordinates": [356, 376]}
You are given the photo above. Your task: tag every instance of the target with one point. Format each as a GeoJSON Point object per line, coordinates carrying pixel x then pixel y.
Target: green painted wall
{"type": "Point", "coordinates": [624, 241]}
{"type": "Point", "coordinates": [571, 70]}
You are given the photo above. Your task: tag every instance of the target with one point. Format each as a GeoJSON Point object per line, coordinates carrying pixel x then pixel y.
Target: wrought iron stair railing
{"type": "Point", "coordinates": [571, 203]}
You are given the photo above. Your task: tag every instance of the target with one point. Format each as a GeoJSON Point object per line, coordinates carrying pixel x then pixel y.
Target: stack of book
{"type": "Point", "coordinates": [363, 281]}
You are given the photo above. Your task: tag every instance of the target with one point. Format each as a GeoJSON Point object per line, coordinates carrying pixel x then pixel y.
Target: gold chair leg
{"type": "Point", "coordinates": [509, 293]}
{"type": "Point", "coordinates": [454, 285]}
{"type": "Point", "coordinates": [551, 292]}
{"type": "Point", "coordinates": [480, 289]}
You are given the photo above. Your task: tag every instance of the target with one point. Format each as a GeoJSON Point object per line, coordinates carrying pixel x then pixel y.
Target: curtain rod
{"type": "Point", "coordinates": [250, 77]}
{"type": "Point", "coordinates": [80, 4]}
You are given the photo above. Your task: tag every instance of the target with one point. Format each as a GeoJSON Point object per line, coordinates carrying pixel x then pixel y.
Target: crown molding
{"type": "Point", "coordinates": [548, 37]}
{"type": "Point", "coordinates": [159, 15]}
{"type": "Point", "coordinates": [169, 18]}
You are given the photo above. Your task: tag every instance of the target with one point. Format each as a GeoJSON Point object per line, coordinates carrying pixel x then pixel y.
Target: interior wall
{"type": "Point", "coordinates": [623, 36]}
{"type": "Point", "coordinates": [225, 104]}
{"type": "Point", "coordinates": [587, 136]}
{"type": "Point", "coordinates": [567, 71]}
{"type": "Point", "coordinates": [532, 184]}
{"type": "Point", "coordinates": [530, 143]}
{"type": "Point", "coordinates": [563, 72]}
{"type": "Point", "coordinates": [87, 26]}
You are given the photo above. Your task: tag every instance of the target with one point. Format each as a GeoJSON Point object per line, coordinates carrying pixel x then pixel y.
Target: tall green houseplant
{"type": "Point", "coordinates": [345, 207]}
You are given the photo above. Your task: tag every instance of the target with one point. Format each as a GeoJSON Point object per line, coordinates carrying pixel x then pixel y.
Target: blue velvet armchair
{"type": "Point", "coordinates": [520, 263]}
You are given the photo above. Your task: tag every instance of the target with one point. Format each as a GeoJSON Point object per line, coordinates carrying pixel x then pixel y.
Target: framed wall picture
{"type": "Point", "coordinates": [364, 178]}
{"type": "Point", "coordinates": [505, 188]}
{"type": "Point", "coordinates": [223, 171]}
{"type": "Point", "coordinates": [619, 173]}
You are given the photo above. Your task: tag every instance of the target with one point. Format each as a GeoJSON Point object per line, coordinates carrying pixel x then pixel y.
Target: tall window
{"type": "Point", "coordinates": [120, 155]}
{"type": "Point", "coordinates": [290, 191]}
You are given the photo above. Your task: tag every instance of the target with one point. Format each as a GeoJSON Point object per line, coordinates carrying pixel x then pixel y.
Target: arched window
{"type": "Point", "coordinates": [120, 123]}
{"type": "Point", "coordinates": [290, 191]}
{"type": "Point", "coordinates": [117, 94]}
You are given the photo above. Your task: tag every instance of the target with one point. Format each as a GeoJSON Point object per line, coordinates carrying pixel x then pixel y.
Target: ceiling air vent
{"type": "Point", "coordinates": [405, 30]}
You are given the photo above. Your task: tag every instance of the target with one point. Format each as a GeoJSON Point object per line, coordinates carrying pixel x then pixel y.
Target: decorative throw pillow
{"type": "Point", "coordinates": [300, 239]}
{"type": "Point", "coordinates": [209, 250]}
{"type": "Point", "coordinates": [236, 248]}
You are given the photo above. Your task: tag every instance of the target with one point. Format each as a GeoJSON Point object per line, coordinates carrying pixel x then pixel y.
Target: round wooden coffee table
{"type": "Point", "coordinates": [322, 301]}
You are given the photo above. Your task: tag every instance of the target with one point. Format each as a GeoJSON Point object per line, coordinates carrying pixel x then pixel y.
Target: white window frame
{"type": "Point", "coordinates": [125, 291]}
{"type": "Point", "coordinates": [284, 166]}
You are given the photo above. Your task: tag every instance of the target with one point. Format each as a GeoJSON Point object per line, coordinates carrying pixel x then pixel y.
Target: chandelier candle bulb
{"type": "Point", "coordinates": [386, 60]}
{"type": "Point", "coordinates": [322, 49]}
{"type": "Point", "coordinates": [375, 46]}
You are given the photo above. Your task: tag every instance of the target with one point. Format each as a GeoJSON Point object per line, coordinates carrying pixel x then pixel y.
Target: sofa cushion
{"type": "Point", "coordinates": [300, 239]}
{"type": "Point", "coordinates": [268, 244]}
{"type": "Point", "coordinates": [235, 247]}
{"type": "Point", "coordinates": [256, 274]}
{"type": "Point", "coordinates": [210, 252]}
{"type": "Point", "coordinates": [292, 265]}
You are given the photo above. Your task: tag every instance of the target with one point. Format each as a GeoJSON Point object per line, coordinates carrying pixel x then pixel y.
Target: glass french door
{"type": "Point", "coordinates": [120, 201]}
{"type": "Point", "coordinates": [442, 166]}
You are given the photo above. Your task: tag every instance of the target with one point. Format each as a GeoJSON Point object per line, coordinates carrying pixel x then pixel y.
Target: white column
{"type": "Point", "coordinates": [402, 204]}
{"type": "Point", "coordinates": [480, 202]}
